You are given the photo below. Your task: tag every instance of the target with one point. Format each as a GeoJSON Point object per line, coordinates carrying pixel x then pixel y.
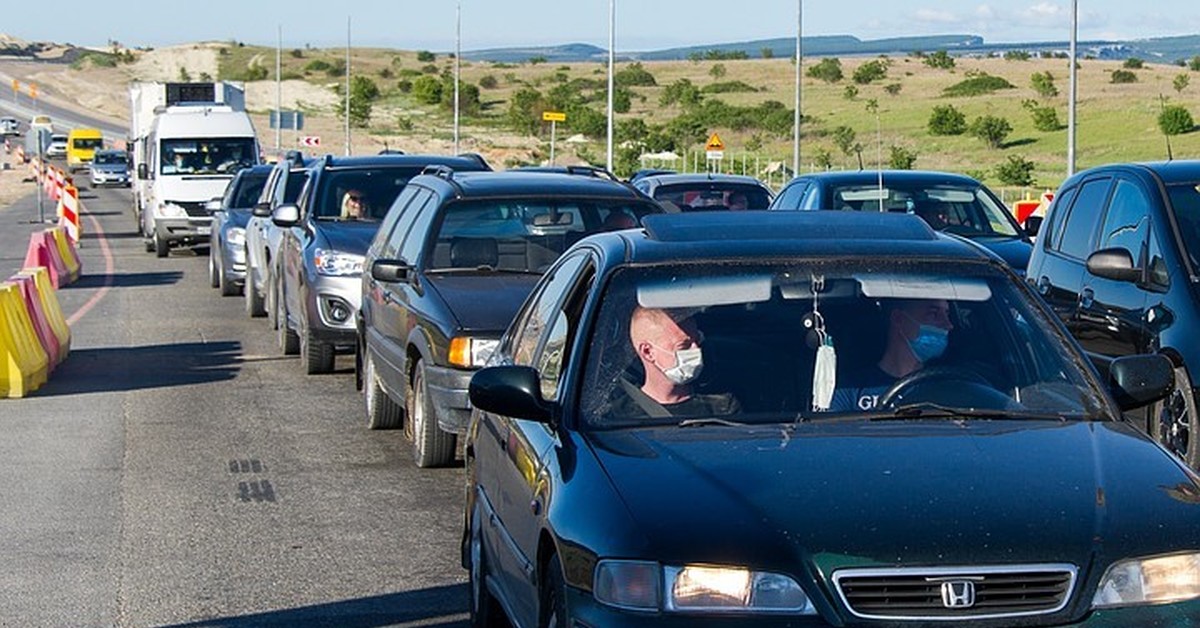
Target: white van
{"type": "Point", "coordinates": [192, 152]}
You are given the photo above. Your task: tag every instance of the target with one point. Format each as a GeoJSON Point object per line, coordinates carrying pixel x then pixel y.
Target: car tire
{"type": "Point", "coordinates": [552, 596]}
{"type": "Point", "coordinates": [255, 307]}
{"type": "Point", "coordinates": [383, 413]}
{"type": "Point", "coordinates": [1175, 421]}
{"type": "Point", "coordinates": [289, 341]}
{"type": "Point", "coordinates": [161, 247]}
{"type": "Point", "coordinates": [226, 285]}
{"type": "Point", "coordinates": [318, 356]}
{"type": "Point", "coordinates": [485, 611]}
{"type": "Point", "coordinates": [213, 280]}
{"type": "Point", "coordinates": [431, 446]}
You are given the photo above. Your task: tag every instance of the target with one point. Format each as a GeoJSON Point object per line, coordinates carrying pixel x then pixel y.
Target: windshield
{"type": "Point", "coordinates": [898, 340]}
{"type": "Point", "coordinates": [1185, 202]}
{"type": "Point", "coordinates": [963, 210]}
{"type": "Point", "coordinates": [525, 235]}
{"type": "Point", "coordinates": [86, 143]}
{"type": "Point", "coordinates": [361, 193]}
{"type": "Point", "coordinates": [714, 195]}
{"type": "Point", "coordinates": [249, 188]}
{"type": "Point", "coordinates": [103, 158]}
{"type": "Point", "coordinates": [221, 155]}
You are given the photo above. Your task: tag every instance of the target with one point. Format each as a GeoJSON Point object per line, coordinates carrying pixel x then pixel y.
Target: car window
{"type": "Point", "coordinates": [1185, 203]}
{"type": "Point", "coordinates": [385, 239]}
{"type": "Point", "coordinates": [753, 324]}
{"type": "Point", "coordinates": [248, 189]}
{"type": "Point", "coordinates": [1127, 220]}
{"type": "Point", "coordinates": [1075, 239]}
{"type": "Point", "coordinates": [207, 155]}
{"type": "Point", "coordinates": [1160, 273]}
{"type": "Point", "coordinates": [967, 210]}
{"type": "Point", "coordinates": [102, 158]}
{"type": "Point", "coordinates": [541, 317]}
{"type": "Point", "coordinates": [791, 196]}
{"type": "Point", "coordinates": [415, 225]}
{"type": "Point", "coordinates": [295, 183]}
{"type": "Point", "coordinates": [522, 234]}
{"type": "Point", "coordinates": [1055, 214]}
{"type": "Point", "coordinates": [714, 195]}
{"type": "Point", "coordinates": [377, 187]}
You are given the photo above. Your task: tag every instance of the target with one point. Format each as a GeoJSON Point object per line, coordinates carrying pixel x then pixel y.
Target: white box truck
{"type": "Point", "coordinates": [188, 140]}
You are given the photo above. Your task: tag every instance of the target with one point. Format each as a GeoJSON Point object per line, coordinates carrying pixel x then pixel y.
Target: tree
{"type": "Point", "coordinates": [424, 56]}
{"type": "Point", "coordinates": [822, 159]}
{"type": "Point", "coordinates": [1175, 120]}
{"type": "Point", "coordinates": [901, 158]}
{"type": "Point", "coordinates": [1181, 82]}
{"type": "Point", "coordinates": [828, 70]}
{"type": "Point", "coordinates": [940, 60]}
{"type": "Point", "coordinates": [363, 92]}
{"type": "Point", "coordinates": [427, 90]}
{"type": "Point", "coordinates": [1045, 119]}
{"type": "Point", "coordinates": [717, 71]}
{"type": "Point", "coordinates": [1194, 64]}
{"type": "Point", "coordinates": [870, 71]}
{"type": "Point", "coordinates": [1043, 84]}
{"type": "Point", "coordinates": [992, 130]}
{"type": "Point", "coordinates": [766, 53]}
{"type": "Point", "coordinates": [1016, 171]}
{"type": "Point", "coordinates": [633, 75]}
{"type": "Point", "coordinates": [468, 97]}
{"type": "Point", "coordinates": [946, 120]}
{"type": "Point", "coordinates": [622, 100]}
{"type": "Point", "coordinates": [525, 109]}
{"type": "Point", "coordinates": [682, 92]}
{"type": "Point", "coordinates": [183, 75]}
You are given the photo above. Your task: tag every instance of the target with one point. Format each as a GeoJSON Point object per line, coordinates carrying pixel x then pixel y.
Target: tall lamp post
{"type": "Point", "coordinates": [1071, 100]}
{"type": "Point", "coordinates": [457, 66]}
{"type": "Point", "coordinates": [612, 42]}
{"type": "Point", "coordinates": [347, 85]}
{"type": "Point", "coordinates": [799, 59]}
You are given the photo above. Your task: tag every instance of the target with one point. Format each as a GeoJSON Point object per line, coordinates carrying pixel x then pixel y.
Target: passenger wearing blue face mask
{"type": "Point", "coordinates": [917, 332]}
{"type": "Point", "coordinates": [668, 346]}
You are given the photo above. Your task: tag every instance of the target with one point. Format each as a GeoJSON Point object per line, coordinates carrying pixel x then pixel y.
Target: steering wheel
{"type": "Point", "coordinates": [939, 373]}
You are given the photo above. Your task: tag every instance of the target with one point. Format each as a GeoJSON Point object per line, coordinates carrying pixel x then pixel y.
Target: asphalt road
{"type": "Point", "coordinates": [177, 470]}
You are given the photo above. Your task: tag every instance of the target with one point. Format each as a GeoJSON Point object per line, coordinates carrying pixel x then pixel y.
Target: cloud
{"type": "Point", "coordinates": [932, 16]}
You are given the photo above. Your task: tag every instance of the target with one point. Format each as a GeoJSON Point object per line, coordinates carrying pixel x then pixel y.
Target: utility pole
{"type": "Point", "coordinates": [612, 43]}
{"type": "Point", "coordinates": [1073, 97]}
{"type": "Point", "coordinates": [457, 67]}
{"type": "Point", "coordinates": [279, 91]}
{"type": "Point", "coordinates": [347, 85]}
{"type": "Point", "coordinates": [799, 61]}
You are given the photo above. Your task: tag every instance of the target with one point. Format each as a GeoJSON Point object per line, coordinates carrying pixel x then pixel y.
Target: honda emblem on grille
{"type": "Point", "coordinates": [958, 594]}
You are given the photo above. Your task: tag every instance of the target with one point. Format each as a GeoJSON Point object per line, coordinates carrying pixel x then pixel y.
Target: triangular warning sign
{"type": "Point", "coordinates": [714, 143]}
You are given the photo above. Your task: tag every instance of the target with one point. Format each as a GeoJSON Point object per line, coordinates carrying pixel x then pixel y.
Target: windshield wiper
{"type": "Point", "coordinates": [712, 420]}
{"type": "Point", "coordinates": [481, 269]}
{"type": "Point", "coordinates": [926, 410]}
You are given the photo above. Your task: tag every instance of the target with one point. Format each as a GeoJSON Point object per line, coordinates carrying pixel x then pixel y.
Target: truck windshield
{"type": "Point", "coordinates": [85, 143]}
{"type": "Point", "coordinates": [219, 155]}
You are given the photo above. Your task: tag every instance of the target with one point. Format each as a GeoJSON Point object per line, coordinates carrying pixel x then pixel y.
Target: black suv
{"type": "Point", "coordinates": [1118, 259]}
{"type": "Point", "coordinates": [324, 236]}
{"type": "Point", "coordinates": [454, 259]}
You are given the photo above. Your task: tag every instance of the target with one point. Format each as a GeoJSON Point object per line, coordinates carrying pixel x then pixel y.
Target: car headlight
{"type": "Point", "coordinates": [235, 236]}
{"type": "Point", "coordinates": [1157, 580]}
{"type": "Point", "coordinates": [640, 585]}
{"type": "Point", "coordinates": [337, 264]}
{"type": "Point", "coordinates": [171, 210]}
{"type": "Point", "coordinates": [470, 352]}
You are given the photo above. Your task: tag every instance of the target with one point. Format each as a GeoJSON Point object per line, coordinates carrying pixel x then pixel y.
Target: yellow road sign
{"type": "Point", "coordinates": [554, 116]}
{"type": "Point", "coordinates": [715, 143]}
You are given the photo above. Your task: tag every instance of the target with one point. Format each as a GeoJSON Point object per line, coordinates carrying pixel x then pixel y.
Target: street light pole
{"type": "Point", "coordinates": [457, 66]}
{"type": "Point", "coordinates": [279, 91]}
{"type": "Point", "coordinates": [612, 43]}
{"type": "Point", "coordinates": [347, 85]}
{"type": "Point", "coordinates": [799, 60]}
{"type": "Point", "coordinates": [1072, 98]}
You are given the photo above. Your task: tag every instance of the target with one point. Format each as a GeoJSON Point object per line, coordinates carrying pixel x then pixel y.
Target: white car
{"type": "Point", "coordinates": [58, 146]}
{"type": "Point", "coordinates": [9, 126]}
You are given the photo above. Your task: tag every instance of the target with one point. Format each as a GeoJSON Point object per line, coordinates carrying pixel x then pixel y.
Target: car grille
{"type": "Point", "coordinates": [959, 592]}
{"type": "Point", "coordinates": [194, 210]}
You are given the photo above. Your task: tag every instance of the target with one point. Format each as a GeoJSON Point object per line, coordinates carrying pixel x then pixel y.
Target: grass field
{"type": "Point", "coordinates": [1115, 122]}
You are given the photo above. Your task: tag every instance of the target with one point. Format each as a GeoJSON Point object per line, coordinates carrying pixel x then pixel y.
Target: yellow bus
{"type": "Point", "coordinates": [82, 145]}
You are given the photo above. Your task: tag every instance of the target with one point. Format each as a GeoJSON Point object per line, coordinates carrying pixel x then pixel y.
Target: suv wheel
{"type": "Point", "coordinates": [485, 612]}
{"type": "Point", "coordinates": [213, 271]}
{"type": "Point", "coordinates": [318, 356]}
{"type": "Point", "coordinates": [431, 446]}
{"type": "Point", "coordinates": [254, 301]}
{"type": "Point", "coordinates": [382, 412]}
{"type": "Point", "coordinates": [272, 300]}
{"type": "Point", "coordinates": [161, 247]}
{"type": "Point", "coordinates": [289, 342]}
{"type": "Point", "coordinates": [1175, 422]}
{"type": "Point", "coordinates": [224, 283]}
{"type": "Point", "coordinates": [552, 598]}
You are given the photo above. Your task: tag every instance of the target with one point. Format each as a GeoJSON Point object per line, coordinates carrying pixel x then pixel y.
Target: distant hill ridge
{"type": "Point", "coordinates": [1161, 49]}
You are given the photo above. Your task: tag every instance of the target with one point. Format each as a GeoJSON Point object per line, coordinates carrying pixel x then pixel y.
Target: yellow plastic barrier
{"type": "Point", "coordinates": [66, 250]}
{"type": "Point", "coordinates": [51, 308]}
{"type": "Point", "coordinates": [23, 362]}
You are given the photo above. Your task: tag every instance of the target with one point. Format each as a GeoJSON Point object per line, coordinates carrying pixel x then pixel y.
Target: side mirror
{"type": "Point", "coordinates": [512, 391]}
{"type": "Point", "coordinates": [143, 172]}
{"type": "Point", "coordinates": [262, 210]}
{"type": "Point", "coordinates": [286, 216]}
{"type": "Point", "coordinates": [1139, 380]}
{"type": "Point", "coordinates": [389, 270]}
{"type": "Point", "coordinates": [1115, 264]}
{"type": "Point", "coordinates": [213, 205]}
{"type": "Point", "coordinates": [1033, 225]}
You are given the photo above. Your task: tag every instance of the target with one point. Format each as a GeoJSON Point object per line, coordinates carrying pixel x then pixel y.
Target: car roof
{"type": "Point", "coordinates": [368, 161]}
{"type": "Point", "coordinates": [763, 235]}
{"type": "Point", "coordinates": [1171, 172]}
{"type": "Point", "coordinates": [673, 179]}
{"type": "Point", "coordinates": [852, 177]}
{"type": "Point", "coordinates": [529, 183]}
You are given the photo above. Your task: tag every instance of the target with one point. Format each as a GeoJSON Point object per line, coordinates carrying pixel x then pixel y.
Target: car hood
{"type": "Point", "coordinates": [237, 217]}
{"type": "Point", "coordinates": [901, 493]}
{"type": "Point", "coordinates": [483, 303]}
{"type": "Point", "coordinates": [1014, 251]}
{"type": "Point", "coordinates": [349, 236]}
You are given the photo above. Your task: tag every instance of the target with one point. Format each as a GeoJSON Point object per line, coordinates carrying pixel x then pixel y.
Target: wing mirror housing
{"type": "Point", "coordinates": [1136, 381]}
{"type": "Point", "coordinates": [262, 210]}
{"type": "Point", "coordinates": [512, 391]}
{"type": "Point", "coordinates": [1115, 264]}
{"type": "Point", "coordinates": [390, 270]}
{"type": "Point", "coordinates": [143, 172]}
{"type": "Point", "coordinates": [285, 216]}
{"type": "Point", "coordinates": [1033, 225]}
{"type": "Point", "coordinates": [213, 205]}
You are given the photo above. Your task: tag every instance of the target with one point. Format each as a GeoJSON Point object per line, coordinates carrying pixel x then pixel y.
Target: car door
{"type": "Point", "coordinates": [1067, 246]}
{"type": "Point", "coordinates": [389, 327]}
{"type": "Point", "coordinates": [518, 486]}
{"type": "Point", "coordinates": [1111, 319]}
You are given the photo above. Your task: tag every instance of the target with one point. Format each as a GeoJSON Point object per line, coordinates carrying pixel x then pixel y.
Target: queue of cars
{"type": "Point", "coordinates": [675, 414]}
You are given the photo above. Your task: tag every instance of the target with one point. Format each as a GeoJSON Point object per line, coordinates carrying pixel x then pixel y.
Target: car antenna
{"type": "Point", "coordinates": [1162, 103]}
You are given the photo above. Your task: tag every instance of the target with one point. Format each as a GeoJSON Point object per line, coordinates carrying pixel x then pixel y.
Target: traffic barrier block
{"type": "Point", "coordinates": [68, 213]}
{"type": "Point", "coordinates": [23, 363]}
{"type": "Point", "coordinates": [51, 308]}
{"type": "Point", "coordinates": [67, 252]}
{"type": "Point", "coordinates": [44, 253]}
{"type": "Point", "coordinates": [41, 327]}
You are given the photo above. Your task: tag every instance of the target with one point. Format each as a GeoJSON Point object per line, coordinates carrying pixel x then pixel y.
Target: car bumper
{"type": "Point", "coordinates": [330, 308]}
{"type": "Point", "coordinates": [447, 388]}
{"type": "Point", "coordinates": [233, 261]}
{"type": "Point", "coordinates": [186, 230]}
{"type": "Point", "coordinates": [109, 179]}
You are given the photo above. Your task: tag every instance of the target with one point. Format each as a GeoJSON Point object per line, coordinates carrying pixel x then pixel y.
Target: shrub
{"type": "Point", "coordinates": [828, 70]}
{"type": "Point", "coordinates": [404, 124]}
{"type": "Point", "coordinates": [489, 82]}
{"type": "Point", "coordinates": [468, 97]}
{"type": "Point", "coordinates": [821, 158]}
{"type": "Point", "coordinates": [946, 120]}
{"type": "Point", "coordinates": [766, 53]}
{"type": "Point", "coordinates": [1123, 76]}
{"type": "Point", "coordinates": [536, 60]}
{"type": "Point", "coordinates": [940, 60]}
{"type": "Point", "coordinates": [1175, 120]}
{"type": "Point", "coordinates": [992, 130]}
{"type": "Point", "coordinates": [850, 93]}
{"type": "Point", "coordinates": [429, 69]}
{"type": "Point", "coordinates": [901, 158]}
{"type": "Point", "coordinates": [634, 75]}
{"type": "Point", "coordinates": [1017, 55]}
{"type": "Point", "coordinates": [1016, 170]}
{"type": "Point", "coordinates": [1194, 64]}
{"type": "Point", "coordinates": [297, 53]}
{"type": "Point", "coordinates": [977, 85]}
{"type": "Point", "coordinates": [681, 92]}
{"type": "Point", "coordinates": [870, 71]}
{"type": "Point", "coordinates": [1043, 84]}
{"type": "Point", "coordinates": [844, 138]}
{"type": "Point", "coordinates": [427, 90]}
{"type": "Point", "coordinates": [424, 56]}
{"type": "Point", "coordinates": [717, 71]}
{"type": "Point", "coordinates": [409, 73]}
{"type": "Point", "coordinates": [385, 73]}
{"type": "Point", "coordinates": [622, 100]}
{"type": "Point", "coordinates": [728, 87]}
{"type": "Point", "coordinates": [404, 85]}
{"type": "Point", "coordinates": [525, 110]}
{"type": "Point", "coordinates": [1181, 82]}
{"type": "Point", "coordinates": [1045, 119]}
{"type": "Point", "coordinates": [892, 89]}
{"type": "Point", "coordinates": [1133, 63]}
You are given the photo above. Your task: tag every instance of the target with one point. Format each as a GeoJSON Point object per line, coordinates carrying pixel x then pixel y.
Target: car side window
{"type": "Point", "coordinates": [423, 214]}
{"type": "Point", "coordinates": [388, 241]}
{"type": "Point", "coordinates": [1075, 239]}
{"type": "Point", "coordinates": [1126, 222]}
{"type": "Point", "coordinates": [542, 314]}
{"type": "Point", "coordinates": [1055, 214]}
{"type": "Point", "coordinates": [790, 197]}
{"type": "Point", "coordinates": [1160, 274]}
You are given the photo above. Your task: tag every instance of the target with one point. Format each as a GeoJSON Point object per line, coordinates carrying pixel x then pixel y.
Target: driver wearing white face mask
{"type": "Point", "coordinates": [670, 353]}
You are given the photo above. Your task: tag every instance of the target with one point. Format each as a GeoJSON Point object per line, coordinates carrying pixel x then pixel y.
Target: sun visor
{"type": "Point", "coordinates": [901, 287]}
{"type": "Point", "coordinates": [699, 292]}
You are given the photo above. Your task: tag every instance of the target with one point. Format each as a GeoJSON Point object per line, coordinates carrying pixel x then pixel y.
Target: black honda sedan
{"type": "Point", "coordinates": [785, 419]}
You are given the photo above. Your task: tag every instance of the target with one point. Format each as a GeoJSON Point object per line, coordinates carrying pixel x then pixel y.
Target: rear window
{"type": "Point", "coordinates": [963, 210]}
{"type": "Point", "coordinates": [714, 195]}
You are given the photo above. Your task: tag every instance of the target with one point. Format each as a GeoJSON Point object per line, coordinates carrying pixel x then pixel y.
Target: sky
{"type": "Point", "coordinates": [640, 24]}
